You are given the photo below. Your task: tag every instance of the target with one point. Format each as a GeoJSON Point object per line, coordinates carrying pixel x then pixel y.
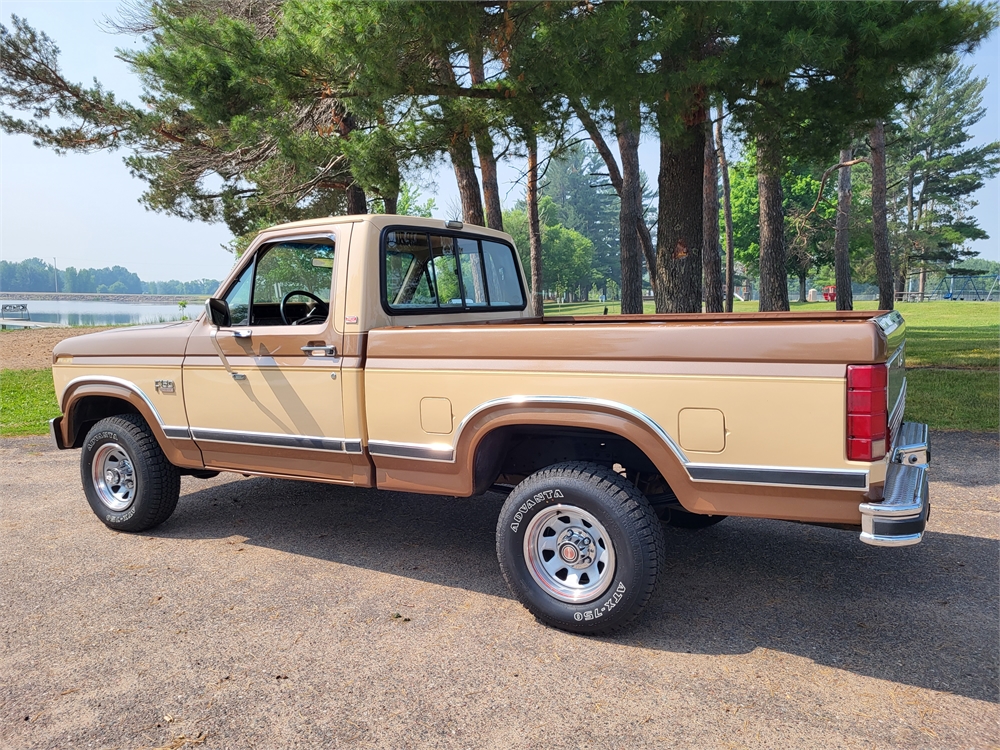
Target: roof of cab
{"type": "Point", "coordinates": [384, 220]}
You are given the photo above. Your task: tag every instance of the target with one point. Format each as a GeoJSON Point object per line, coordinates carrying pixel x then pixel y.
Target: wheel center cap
{"type": "Point", "coordinates": [569, 553]}
{"type": "Point", "coordinates": [112, 476]}
{"type": "Point", "coordinates": [576, 548]}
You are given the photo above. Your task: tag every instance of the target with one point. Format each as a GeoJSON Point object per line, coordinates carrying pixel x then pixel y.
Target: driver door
{"type": "Point", "coordinates": [263, 393]}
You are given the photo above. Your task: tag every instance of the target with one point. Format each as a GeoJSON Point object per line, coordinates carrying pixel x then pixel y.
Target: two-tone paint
{"type": "Point", "coordinates": [742, 414]}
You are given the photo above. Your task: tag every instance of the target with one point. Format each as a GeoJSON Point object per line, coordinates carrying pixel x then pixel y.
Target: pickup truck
{"type": "Point", "coordinates": [400, 353]}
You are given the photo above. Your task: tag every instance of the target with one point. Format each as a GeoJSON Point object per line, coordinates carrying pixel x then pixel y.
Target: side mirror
{"type": "Point", "coordinates": [218, 312]}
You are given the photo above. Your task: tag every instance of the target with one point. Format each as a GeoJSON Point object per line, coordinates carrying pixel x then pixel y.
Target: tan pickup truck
{"type": "Point", "coordinates": [400, 353]}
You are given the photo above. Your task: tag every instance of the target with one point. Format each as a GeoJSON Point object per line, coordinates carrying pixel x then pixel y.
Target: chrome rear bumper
{"type": "Point", "coordinates": [900, 518]}
{"type": "Point", "coordinates": [913, 445]}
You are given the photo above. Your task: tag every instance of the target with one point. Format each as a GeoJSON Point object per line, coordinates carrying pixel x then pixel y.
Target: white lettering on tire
{"type": "Point", "coordinates": [598, 612]}
{"type": "Point", "coordinates": [529, 504]}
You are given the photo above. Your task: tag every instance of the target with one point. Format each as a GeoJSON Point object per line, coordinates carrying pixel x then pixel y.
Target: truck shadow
{"type": "Point", "coordinates": [915, 616]}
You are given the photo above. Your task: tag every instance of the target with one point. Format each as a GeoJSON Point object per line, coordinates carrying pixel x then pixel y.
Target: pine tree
{"type": "Point", "coordinates": [934, 172]}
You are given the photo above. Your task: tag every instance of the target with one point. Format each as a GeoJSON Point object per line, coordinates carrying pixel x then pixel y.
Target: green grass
{"type": "Point", "coordinates": [954, 399]}
{"type": "Point", "coordinates": [27, 402]}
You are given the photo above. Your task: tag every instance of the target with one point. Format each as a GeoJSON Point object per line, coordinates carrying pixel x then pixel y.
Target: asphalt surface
{"type": "Point", "coordinates": [269, 614]}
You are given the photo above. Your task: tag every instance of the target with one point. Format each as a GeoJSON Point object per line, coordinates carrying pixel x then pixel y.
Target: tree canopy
{"type": "Point", "coordinates": [260, 112]}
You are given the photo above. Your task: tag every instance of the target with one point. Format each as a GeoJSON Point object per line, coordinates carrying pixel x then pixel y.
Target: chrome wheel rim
{"type": "Point", "coordinates": [114, 477]}
{"type": "Point", "coordinates": [569, 554]}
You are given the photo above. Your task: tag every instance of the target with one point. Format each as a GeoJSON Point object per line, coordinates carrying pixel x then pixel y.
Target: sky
{"type": "Point", "coordinates": [83, 210]}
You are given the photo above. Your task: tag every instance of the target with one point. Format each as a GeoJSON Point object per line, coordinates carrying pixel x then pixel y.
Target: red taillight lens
{"type": "Point", "coordinates": [867, 420]}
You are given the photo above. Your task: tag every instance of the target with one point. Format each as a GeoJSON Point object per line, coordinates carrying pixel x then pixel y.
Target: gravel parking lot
{"type": "Point", "coordinates": [269, 614]}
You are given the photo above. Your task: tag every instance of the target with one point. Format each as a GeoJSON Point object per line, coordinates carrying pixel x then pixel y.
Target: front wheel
{"type": "Point", "coordinates": [580, 547]}
{"type": "Point", "coordinates": [128, 481]}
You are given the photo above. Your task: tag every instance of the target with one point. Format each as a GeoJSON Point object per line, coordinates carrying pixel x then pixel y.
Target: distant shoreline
{"type": "Point", "coordinates": [135, 299]}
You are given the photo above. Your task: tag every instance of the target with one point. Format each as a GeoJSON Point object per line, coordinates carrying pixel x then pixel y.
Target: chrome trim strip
{"type": "Point", "coordinates": [577, 401]}
{"type": "Point", "coordinates": [114, 381]}
{"type": "Point", "coordinates": [353, 446]}
{"type": "Point", "coordinates": [416, 451]}
{"type": "Point", "coordinates": [785, 477]}
{"type": "Point", "coordinates": [896, 416]}
{"type": "Point", "coordinates": [177, 433]}
{"type": "Point", "coordinates": [270, 439]}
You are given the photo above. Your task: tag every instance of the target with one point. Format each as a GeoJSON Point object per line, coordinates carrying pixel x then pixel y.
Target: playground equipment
{"type": "Point", "coordinates": [971, 288]}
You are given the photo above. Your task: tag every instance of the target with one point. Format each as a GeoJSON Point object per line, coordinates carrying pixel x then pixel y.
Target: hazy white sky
{"type": "Point", "coordinates": [83, 210]}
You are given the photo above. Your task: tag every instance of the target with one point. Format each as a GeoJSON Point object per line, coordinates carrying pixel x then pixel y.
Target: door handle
{"type": "Point", "coordinates": [320, 351]}
{"type": "Point", "coordinates": [242, 334]}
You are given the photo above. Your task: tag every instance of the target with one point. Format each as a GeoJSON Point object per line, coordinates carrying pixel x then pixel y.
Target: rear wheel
{"type": "Point", "coordinates": [128, 481]}
{"type": "Point", "coordinates": [580, 547]}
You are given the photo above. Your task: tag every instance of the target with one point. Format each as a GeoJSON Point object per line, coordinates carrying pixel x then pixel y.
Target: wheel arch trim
{"type": "Point", "coordinates": [176, 449]}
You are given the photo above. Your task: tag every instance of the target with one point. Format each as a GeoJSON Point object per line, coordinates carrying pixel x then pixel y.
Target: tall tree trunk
{"type": "Point", "coordinates": [841, 241]}
{"type": "Point", "coordinates": [391, 202]}
{"type": "Point", "coordinates": [901, 279]}
{"type": "Point", "coordinates": [802, 285]}
{"type": "Point", "coordinates": [646, 243]}
{"type": "Point", "coordinates": [460, 151]}
{"type": "Point", "coordinates": [615, 176]}
{"type": "Point", "coordinates": [710, 259]}
{"type": "Point", "coordinates": [773, 276]}
{"type": "Point", "coordinates": [484, 147]}
{"type": "Point", "coordinates": [679, 226]}
{"type": "Point", "coordinates": [880, 227]}
{"type": "Point", "coordinates": [534, 226]}
{"type": "Point", "coordinates": [628, 217]}
{"type": "Point", "coordinates": [727, 206]}
{"type": "Point", "coordinates": [356, 202]}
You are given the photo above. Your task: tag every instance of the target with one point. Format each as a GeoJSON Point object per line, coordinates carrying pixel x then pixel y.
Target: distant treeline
{"type": "Point", "coordinates": [35, 275]}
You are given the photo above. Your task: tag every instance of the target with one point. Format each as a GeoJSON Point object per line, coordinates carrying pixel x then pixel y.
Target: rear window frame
{"type": "Point", "coordinates": [450, 309]}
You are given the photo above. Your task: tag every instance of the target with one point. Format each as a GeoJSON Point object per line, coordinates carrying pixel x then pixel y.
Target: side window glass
{"type": "Point", "coordinates": [445, 271]}
{"type": "Point", "coordinates": [286, 267]}
{"type": "Point", "coordinates": [473, 279]}
{"type": "Point", "coordinates": [409, 274]}
{"type": "Point", "coordinates": [501, 275]}
{"type": "Point", "coordinates": [238, 298]}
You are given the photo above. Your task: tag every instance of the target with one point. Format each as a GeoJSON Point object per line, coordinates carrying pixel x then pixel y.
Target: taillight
{"type": "Point", "coordinates": [867, 420]}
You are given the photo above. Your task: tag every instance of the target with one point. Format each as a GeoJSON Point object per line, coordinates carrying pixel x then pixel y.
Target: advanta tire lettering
{"type": "Point", "coordinates": [127, 479]}
{"type": "Point", "coordinates": [551, 529]}
{"type": "Point", "coordinates": [528, 505]}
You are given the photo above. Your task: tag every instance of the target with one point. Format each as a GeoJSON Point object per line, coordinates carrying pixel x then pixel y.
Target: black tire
{"type": "Point", "coordinates": [620, 518]}
{"type": "Point", "coordinates": [685, 520]}
{"type": "Point", "coordinates": [124, 447]}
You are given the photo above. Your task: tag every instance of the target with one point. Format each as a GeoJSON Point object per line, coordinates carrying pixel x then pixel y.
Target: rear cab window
{"type": "Point", "coordinates": [433, 271]}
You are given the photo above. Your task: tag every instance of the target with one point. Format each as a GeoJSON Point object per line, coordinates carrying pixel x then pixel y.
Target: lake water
{"type": "Point", "coordinates": [84, 313]}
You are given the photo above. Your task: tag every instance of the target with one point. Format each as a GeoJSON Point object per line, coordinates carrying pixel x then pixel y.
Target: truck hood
{"type": "Point", "coordinates": [157, 340]}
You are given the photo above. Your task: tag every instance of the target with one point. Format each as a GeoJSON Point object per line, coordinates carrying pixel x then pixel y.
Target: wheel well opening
{"type": "Point", "coordinates": [90, 410]}
{"type": "Point", "coordinates": [509, 454]}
